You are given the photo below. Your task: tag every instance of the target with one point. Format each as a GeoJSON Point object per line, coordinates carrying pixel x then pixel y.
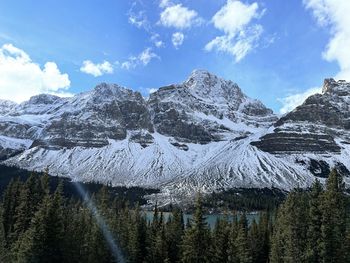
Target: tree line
{"type": "Point", "coordinates": [38, 224]}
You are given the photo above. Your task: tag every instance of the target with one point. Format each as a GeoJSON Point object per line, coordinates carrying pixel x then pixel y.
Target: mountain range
{"type": "Point", "coordinates": [203, 134]}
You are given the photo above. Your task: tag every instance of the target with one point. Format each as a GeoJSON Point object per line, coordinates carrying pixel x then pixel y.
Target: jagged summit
{"type": "Point", "coordinates": [106, 92]}
{"type": "Point", "coordinates": [203, 133]}
{"type": "Point", "coordinates": [341, 86]}
{"type": "Point", "coordinates": [207, 86]}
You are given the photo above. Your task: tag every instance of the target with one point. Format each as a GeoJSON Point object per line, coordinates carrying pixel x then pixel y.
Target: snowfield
{"type": "Point", "coordinates": [196, 136]}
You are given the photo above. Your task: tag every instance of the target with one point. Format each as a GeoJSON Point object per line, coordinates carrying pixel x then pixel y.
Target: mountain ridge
{"type": "Point", "coordinates": [203, 133]}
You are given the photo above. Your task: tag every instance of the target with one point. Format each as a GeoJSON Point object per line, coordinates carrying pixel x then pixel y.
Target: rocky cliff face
{"type": "Point", "coordinates": [204, 133]}
{"type": "Point", "coordinates": [198, 109]}
{"type": "Point", "coordinates": [321, 125]}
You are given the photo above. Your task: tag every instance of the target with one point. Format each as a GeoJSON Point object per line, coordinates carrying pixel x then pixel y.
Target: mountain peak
{"type": "Point", "coordinates": [107, 88]}
{"type": "Point", "coordinates": [330, 86]}
{"type": "Point", "coordinates": [105, 91]}
{"type": "Point", "coordinates": [202, 76]}
{"type": "Point", "coordinates": [206, 85]}
{"type": "Point", "coordinates": [43, 99]}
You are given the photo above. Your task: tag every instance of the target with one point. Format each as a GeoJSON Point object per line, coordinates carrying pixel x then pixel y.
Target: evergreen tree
{"type": "Point", "coordinates": [255, 241]}
{"type": "Point", "coordinates": [278, 245]}
{"type": "Point", "coordinates": [138, 231]}
{"type": "Point", "coordinates": [174, 233]}
{"type": "Point", "coordinates": [263, 243]}
{"type": "Point", "coordinates": [3, 250]}
{"type": "Point", "coordinates": [32, 246]}
{"type": "Point", "coordinates": [242, 245]}
{"type": "Point", "coordinates": [28, 202]}
{"type": "Point", "coordinates": [220, 240]}
{"type": "Point", "coordinates": [290, 237]}
{"type": "Point", "coordinates": [196, 242]}
{"type": "Point", "coordinates": [232, 246]}
{"type": "Point", "coordinates": [314, 232]}
{"type": "Point", "coordinates": [10, 202]}
{"type": "Point", "coordinates": [333, 219]}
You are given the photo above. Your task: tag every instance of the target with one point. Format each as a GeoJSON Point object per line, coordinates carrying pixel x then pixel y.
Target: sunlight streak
{"type": "Point", "coordinates": [114, 248]}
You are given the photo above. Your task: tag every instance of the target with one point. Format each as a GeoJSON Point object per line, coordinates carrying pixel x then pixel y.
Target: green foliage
{"type": "Point", "coordinates": [245, 199]}
{"type": "Point", "coordinates": [38, 223]}
{"type": "Point", "coordinates": [196, 242]}
{"type": "Point", "coordinates": [312, 226]}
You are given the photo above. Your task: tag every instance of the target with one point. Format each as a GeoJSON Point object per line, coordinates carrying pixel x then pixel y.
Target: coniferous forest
{"type": "Point", "coordinates": [41, 224]}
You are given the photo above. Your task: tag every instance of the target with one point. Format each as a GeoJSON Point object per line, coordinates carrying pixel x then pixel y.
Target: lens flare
{"type": "Point", "coordinates": [114, 248]}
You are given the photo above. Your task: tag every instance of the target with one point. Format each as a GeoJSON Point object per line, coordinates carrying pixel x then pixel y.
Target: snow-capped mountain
{"type": "Point", "coordinates": [204, 133]}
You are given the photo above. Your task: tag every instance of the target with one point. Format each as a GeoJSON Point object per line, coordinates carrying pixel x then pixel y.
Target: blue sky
{"type": "Point", "coordinates": [277, 51]}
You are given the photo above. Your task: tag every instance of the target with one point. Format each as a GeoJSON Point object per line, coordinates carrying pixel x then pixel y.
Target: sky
{"type": "Point", "coordinates": [276, 51]}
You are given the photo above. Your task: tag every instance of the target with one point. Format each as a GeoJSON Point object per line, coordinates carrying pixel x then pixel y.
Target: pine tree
{"type": "Point", "coordinates": [220, 240]}
{"type": "Point", "coordinates": [10, 202]}
{"type": "Point", "coordinates": [242, 245]}
{"type": "Point", "coordinates": [255, 241]}
{"type": "Point", "coordinates": [264, 232]}
{"type": "Point", "coordinates": [314, 232]}
{"type": "Point", "coordinates": [160, 251]}
{"type": "Point", "coordinates": [32, 246]}
{"type": "Point", "coordinates": [333, 219]}
{"type": "Point", "coordinates": [55, 226]}
{"type": "Point", "coordinates": [43, 239]}
{"type": "Point", "coordinates": [174, 234]}
{"type": "Point", "coordinates": [196, 242]}
{"type": "Point", "coordinates": [98, 250]}
{"type": "Point", "coordinates": [137, 243]}
{"type": "Point", "coordinates": [45, 183]}
{"type": "Point", "coordinates": [290, 233]}
{"type": "Point", "coordinates": [3, 250]}
{"type": "Point", "coordinates": [28, 202]}
{"type": "Point", "coordinates": [232, 246]}
{"type": "Point", "coordinates": [278, 245]}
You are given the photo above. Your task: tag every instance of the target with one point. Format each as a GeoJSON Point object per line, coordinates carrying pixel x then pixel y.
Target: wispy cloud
{"type": "Point", "coordinates": [332, 14]}
{"type": "Point", "coordinates": [21, 78]}
{"type": "Point", "coordinates": [144, 58]}
{"type": "Point", "coordinates": [177, 39]}
{"type": "Point", "coordinates": [291, 101]}
{"type": "Point", "coordinates": [138, 18]}
{"type": "Point", "coordinates": [178, 16]}
{"type": "Point", "coordinates": [155, 39]}
{"type": "Point", "coordinates": [335, 15]}
{"type": "Point", "coordinates": [97, 69]}
{"type": "Point", "coordinates": [240, 34]}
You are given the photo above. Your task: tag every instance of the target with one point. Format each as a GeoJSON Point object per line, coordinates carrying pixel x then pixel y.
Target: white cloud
{"type": "Point", "coordinates": [292, 101]}
{"type": "Point", "coordinates": [137, 16]}
{"type": "Point", "coordinates": [240, 35]}
{"type": "Point", "coordinates": [152, 90]}
{"type": "Point", "coordinates": [21, 78]}
{"type": "Point", "coordinates": [138, 19]}
{"type": "Point", "coordinates": [155, 39]}
{"type": "Point", "coordinates": [335, 14]}
{"type": "Point", "coordinates": [96, 70]}
{"type": "Point", "coordinates": [178, 16]}
{"type": "Point", "coordinates": [177, 39]}
{"type": "Point", "coordinates": [238, 46]}
{"type": "Point", "coordinates": [164, 3]}
{"type": "Point", "coordinates": [144, 58]}
{"type": "Point", "coordinates": [233, 16]}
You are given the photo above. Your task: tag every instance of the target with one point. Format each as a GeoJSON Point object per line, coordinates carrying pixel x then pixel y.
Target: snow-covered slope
{"type": "Point", "coordinates": [202, 134]}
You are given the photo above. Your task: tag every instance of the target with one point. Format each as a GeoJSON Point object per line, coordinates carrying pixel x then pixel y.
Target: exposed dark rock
{"type": "Point", "coordinates": [319, 168]}
{"type": "Point", "coordinates": [297, 143]}
{"type": "Point", "coordinates": [6, 153]}
{"type": "Point", "coordinates": [312, 126]}
{"type": "Point", "coordinates": [144, 139]}
{"type": "Point", "coordinates": [180, 146]}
